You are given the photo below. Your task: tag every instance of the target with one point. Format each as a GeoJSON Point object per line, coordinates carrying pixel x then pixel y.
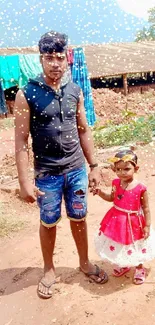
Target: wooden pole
{"type": "Point", "coordinates": [125, 84]}
{"type": "Point", "coordinates": [148, 77]}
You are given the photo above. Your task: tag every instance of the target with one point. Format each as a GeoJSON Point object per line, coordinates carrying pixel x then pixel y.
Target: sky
{"type": "Point", "coordinates": [138, 8]}
{"type": "Point", "coordinates": [22, 22]}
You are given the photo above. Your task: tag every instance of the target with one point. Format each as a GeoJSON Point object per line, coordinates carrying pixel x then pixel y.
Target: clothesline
{"type": "Point", "coordinates": [15, 70]}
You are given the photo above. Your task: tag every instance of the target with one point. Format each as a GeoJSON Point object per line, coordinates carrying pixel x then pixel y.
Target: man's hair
{"type": "Point", "coordinates": [133, 159]}
{"type": "Point", "coordinates": [53, 42]}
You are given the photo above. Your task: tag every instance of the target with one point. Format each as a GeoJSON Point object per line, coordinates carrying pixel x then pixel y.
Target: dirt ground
{"type": "Point", "coordinates": [111, 106]}
{"type": "Point", "coordinates": [75, 300]}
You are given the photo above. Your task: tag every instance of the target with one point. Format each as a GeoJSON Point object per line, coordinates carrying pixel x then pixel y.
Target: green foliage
{"type": "Point", "coordinates": [139, 130]}
{"type": "Point", "coordinates": [143, 35]}
{"type": "Point", "coordinates": [128, 114]}
{"type": "Point", "coordinates": [148, 34]}
{"type": "Point", "coordinates": [6, 123]}
{"type": "Point", "coordinates": [151, 122]}
{"type": "Point", "coordinates": [151, 18]}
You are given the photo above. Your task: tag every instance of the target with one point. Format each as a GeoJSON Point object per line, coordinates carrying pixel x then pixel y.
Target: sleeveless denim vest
{"type": "Point", "coordinates": [53, 126]}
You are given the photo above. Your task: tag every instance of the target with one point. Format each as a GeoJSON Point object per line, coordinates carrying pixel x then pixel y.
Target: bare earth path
{"type": "Point", "coordinates": [76, 301]}
{"type": "Point", "coordinates": [6, 142]}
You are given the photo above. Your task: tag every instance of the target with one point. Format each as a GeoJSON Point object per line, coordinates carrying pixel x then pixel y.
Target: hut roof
{"type": "Point", "coordinates": [110, 59]}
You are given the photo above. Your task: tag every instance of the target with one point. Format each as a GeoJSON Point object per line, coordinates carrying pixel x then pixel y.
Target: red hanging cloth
{"type": "Point", "coordinates": [70, 56]}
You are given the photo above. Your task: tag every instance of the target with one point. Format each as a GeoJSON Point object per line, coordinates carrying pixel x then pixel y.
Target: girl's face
{"type": "Point", "coordinates": [125, 170]}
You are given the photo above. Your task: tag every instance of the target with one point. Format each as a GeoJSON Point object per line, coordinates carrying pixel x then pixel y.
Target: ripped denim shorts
{"type": "Point", "coordinates": [71, 186]}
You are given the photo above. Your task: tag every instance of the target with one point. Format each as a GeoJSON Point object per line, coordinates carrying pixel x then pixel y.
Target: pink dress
{"type": "Point", "coordinates": [120, 238]}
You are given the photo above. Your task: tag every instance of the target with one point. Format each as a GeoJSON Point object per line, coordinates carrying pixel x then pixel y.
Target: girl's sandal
{"type": "Point", "coordinates": [139, 276]}
{"type": "Point", "coordinates": [119, 271]}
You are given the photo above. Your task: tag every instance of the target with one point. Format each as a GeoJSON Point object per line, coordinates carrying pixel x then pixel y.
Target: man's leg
{"type": "Point", "coordinates": [50, 214]}
{"type": "Point", "coordinates": [79, 232]}
{"type": "Point", "coordinates": [47, 240]}
{"type": "Point", "coordinates": [76, 206]}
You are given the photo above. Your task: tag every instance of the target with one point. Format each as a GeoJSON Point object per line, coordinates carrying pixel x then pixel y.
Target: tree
{"type": "Point", "coordinates": [148, 34]}
{"type": "Point", "coordinates": [151, 18]}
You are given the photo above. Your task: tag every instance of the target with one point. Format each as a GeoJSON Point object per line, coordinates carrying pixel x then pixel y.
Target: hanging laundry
{"type": "Point", "coordinates": [80, 76]}
{"type": "Point", "coordinates": [30, 67]}
{"type": "Point", "coordinates": [9, 70]}
{"type": "Point", "coordinates": [3, 107]}
{"type": "Point", "coordinates": [70, 56]}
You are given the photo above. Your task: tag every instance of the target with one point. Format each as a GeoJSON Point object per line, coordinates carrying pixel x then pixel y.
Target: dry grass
{"type": "Point", "coordinates": [6, 123]}
{"type": "Point", "coordinates": [9, 220]}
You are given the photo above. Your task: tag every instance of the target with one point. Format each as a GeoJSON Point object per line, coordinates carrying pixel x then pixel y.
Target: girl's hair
{"type": "Point", "coordinates": [53, 42]}
{"type": "Point", "coordinates": [127, 155]}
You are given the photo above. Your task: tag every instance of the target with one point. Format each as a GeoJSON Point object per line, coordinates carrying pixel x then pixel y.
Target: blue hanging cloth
{"type": "Point", "coordinates": [80, 76]}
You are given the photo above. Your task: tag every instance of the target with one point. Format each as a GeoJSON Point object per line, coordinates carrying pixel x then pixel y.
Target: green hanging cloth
{"type": "Point", "coordinates": [30, 67]}
{"type": "Point", "coordinates": [9, 70]}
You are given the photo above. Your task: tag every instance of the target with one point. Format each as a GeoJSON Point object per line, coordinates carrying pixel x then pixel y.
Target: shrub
{"type": "Point", "coordinates": [139, 130]}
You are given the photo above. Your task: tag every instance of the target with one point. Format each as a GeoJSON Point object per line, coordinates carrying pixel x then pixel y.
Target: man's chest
{"type": "Point", "coordinates": [49, 105]}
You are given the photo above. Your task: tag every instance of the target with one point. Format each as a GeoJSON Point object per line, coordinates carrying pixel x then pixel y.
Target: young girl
{"type": "Point", "coordinates": [124, 237]}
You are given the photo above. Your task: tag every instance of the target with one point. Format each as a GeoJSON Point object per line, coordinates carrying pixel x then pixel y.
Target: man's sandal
{"type": "Point", "coordinates": [119, 271]}
{"type": "Point", "coordinates": [139, 276]}
{"type": "Point", "coordinates": [103, 278]}
{"type": "Point", "coordinates": [47, 286]}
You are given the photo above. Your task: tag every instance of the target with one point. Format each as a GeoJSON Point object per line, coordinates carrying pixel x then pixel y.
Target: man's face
{"type": "Point", "coordinates": [54, 64]}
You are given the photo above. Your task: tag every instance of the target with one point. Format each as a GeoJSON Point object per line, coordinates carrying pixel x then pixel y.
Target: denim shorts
{"type": "Point", "coordinates": [71, 186]}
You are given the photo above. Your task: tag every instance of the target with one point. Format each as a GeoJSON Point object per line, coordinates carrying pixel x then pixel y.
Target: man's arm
{"type": "Point", "coordinates": [85, 134]}
{"type": "Point", "coordinates": [22, 129]}
{"type": "Point", "coordinates": [22, 122]}
{"type": "Point", "coordinates": [87, 143]}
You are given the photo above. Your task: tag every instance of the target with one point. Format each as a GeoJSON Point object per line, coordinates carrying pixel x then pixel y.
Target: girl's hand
{"type": "Point", "coordinates": [146, 232]}
{"type": "Point", "coordinates": [96, 191]}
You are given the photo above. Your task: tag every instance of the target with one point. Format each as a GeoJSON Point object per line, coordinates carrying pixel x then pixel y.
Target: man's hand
{"type": "Point", "coordinates": [96, 191]}
{"type": "Point", "coordinates": [29, 192]}
{"type": "Point", "coordinates": [146, 231]}
{"type": "Point", "coordinates": [94, 178]}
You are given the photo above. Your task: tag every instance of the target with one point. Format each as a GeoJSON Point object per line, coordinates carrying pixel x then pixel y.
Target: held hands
{"type": "Point", "coordinates": [29, 192]}
{"type": "Point", "coordinates": [96, 191]}
{"type": "Point", "coordinates": [94, 178]}
{"type": "Point", "coordinates": [146, 230]}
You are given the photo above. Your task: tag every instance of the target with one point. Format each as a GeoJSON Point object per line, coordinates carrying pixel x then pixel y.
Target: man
{"type": "Point", "coordinates": [51, 108]}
